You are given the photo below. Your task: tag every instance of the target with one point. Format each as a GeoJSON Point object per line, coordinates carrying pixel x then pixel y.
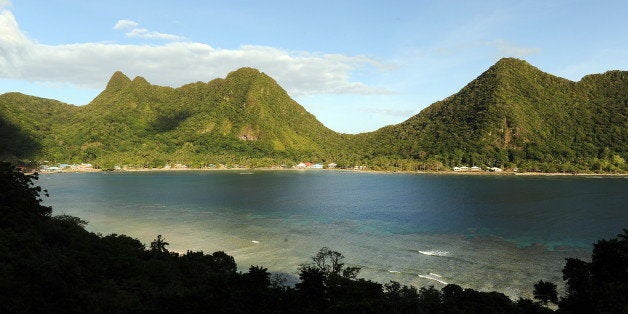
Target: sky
{"type": "Point", "coordinates": [356, 65]}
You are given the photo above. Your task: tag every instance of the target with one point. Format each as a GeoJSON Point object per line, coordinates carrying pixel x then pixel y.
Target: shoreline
{"type": "Point", "coordinates": [448, 172]}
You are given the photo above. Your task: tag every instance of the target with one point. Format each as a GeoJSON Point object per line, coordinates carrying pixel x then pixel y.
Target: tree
{"type": "Point", "coordinates": [602, 284]}
{"type": "Point", "coordinates": [20, 197]}
{"type": "Point", "coordinates": [431, 299]}
{"type": "Point", "coordinates": [545, 291]}
{"type": "Point", "coordinates": [159, 245]}
{"type": "Point", "coordinates": [329, 262]}
{"type": "Point", "coordinates": [258, 277]}
{"type": "Point", "coordinates": [223, 263]}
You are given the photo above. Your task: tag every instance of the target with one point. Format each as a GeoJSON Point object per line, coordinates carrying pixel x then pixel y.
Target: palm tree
{"type": "Point", "coordinates": [545, 291]}
{"type": "Point", "coordinates": [159, 245]}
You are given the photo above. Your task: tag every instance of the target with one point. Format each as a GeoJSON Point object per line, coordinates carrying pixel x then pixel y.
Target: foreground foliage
{"type": "Point", "coordinates": [52, 264]}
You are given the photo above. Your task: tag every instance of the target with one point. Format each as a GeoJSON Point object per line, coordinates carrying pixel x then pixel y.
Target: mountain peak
{"type": "Point", "coordinates": [512, 70]}
{"type": "Point", "coordinates": [118, 80]}
{"type": "Point", "coordinates": [140, 80]}
{"type": "Point", "coordinates": [512, 64]}
{"type": "Point", "coordinates": [245, 72]}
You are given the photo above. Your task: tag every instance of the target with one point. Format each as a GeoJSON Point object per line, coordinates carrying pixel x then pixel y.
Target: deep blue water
{"type": "Point", "coordinates": [478, 231]}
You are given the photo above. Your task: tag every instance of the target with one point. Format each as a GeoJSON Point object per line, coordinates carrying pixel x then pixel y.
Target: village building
{"type": "Point", "coordinates": [308, 165]}
{"type": "Point", "coordinates": [85, 167]}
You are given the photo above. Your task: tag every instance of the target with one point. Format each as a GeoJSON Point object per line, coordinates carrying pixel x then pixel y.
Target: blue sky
{"type": "Point", "coordinates": [356, 65]}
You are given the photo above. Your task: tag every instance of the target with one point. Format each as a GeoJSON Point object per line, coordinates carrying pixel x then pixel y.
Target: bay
{"type": "Point", "coordinates": [500, 233]}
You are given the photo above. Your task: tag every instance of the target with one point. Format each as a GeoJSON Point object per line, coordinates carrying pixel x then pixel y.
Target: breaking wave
{"type": "Point", "coordinates": [435, 253]}
{"type": "Point", "coordinates": [435, 277]}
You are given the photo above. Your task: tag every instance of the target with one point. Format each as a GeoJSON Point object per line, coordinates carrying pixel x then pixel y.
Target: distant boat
{"type": "Point", "coordinates": [246, 172]}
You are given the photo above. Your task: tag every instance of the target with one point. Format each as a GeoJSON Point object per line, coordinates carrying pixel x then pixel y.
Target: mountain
{"type": "Point", "coordinates": [28, 125]}
{"type": "Point", "coordinates": [516, 115]}
{"type": "Point", "coordinates": [245, 116]}
{"type": "Point", "coordinates": [512, 115]}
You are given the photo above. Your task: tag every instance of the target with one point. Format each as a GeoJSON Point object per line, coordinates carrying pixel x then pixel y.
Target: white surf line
{"type": "Point", "coordinates": [434, 253]}
{"type": "Point", "coordinates": [434, 277]}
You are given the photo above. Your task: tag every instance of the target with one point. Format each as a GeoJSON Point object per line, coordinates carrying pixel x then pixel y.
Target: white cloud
{"type": "Point", "coordinates": [390, 112]}
{"type": "Point", "coordinates": [134, 31]}
{"type": "Point", "coordinates": [125, 24]}
{"type": "Point", "coordinates": [5, 4]}
{"type": "Point", "coordinates": [604, 59]}
{"type": "Point", "coordinates": [509, 49]}
{"type": "Point", "coordinates": [144, 33]}
{"type": "Point", "coordinates": [89, 65]}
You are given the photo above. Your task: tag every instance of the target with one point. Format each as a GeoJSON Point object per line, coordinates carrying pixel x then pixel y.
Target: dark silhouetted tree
{"type": "Point", "coordinates": [545, 292]}
{"type": "Point", "coordinates": [601, 285]}
{"type": "Point", "coordinates": [159, 245]}
{"type": "Point", "coordinates": [312, 286]}
{"type": "Point", "coordinates": [330, 263]}
{"type": "Point", "coordinates": [20, 198]}
{"type": "Point", "coordinates": [223, 263]}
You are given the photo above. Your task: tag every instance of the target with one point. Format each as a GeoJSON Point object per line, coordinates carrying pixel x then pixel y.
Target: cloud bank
{"type": "Point", "coordinates": [175, 63]}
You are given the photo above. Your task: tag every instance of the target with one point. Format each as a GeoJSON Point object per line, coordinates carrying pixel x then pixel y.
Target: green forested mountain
{"type": "Point", "coordinates": [515, 115]}
{"type": "Point", "coordinates": [245, 118]}
{"type": "Point", "coordinates": [512, 115]}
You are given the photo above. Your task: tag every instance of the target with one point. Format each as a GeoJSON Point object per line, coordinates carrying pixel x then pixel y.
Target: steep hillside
{"type": "Point", "coordinates": [245, 116]}
{"type": "Point", "coordinates": [516, 115]}
{"type": "Point", "coordinates": [29, 126]}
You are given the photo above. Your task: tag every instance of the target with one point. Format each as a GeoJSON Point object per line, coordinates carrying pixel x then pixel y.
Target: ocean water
{"type": "Point", "coordinates": [500, 233]}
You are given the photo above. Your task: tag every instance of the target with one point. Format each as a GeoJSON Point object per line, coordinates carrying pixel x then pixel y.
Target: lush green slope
{"type": "Point", "coordinates": [29, 126]}
{"type": "Point", "coordinates": [512, 115]}
{"type": "Point", "coordinates": [515, 115]}
{"type": "Point", "coordinates": [244, 118]}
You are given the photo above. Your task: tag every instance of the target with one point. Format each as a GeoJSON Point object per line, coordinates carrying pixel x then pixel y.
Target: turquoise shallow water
{"type": "Point", "coordinates": [485, 232]}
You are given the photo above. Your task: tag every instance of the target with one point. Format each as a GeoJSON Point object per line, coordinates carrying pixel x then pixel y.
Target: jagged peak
{"type": "Point", "coordinates": [118, 80]}
{"type": "Point", "coordinates": [243, 74]}
{"type": "Point", "coordinates": [513, 65]}
{"type": "Point", "coordinates": [509, 61]}
{"type": "Point", "coordinates": [251, 77]}
{"type": "Point", "coordinates": [247, 71]}
{"type": "Point", "coordinates": [140, 80]}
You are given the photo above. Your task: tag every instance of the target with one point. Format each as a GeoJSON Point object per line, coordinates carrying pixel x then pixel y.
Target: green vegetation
{"type": "Point", "coordinates": [244, 119]}
{"type": "Point", "coordinates": [51, 264]}
{"type": "Point", "coordinates": [511, 116]}
{"type": "Point", "coordinates": [515, 116]}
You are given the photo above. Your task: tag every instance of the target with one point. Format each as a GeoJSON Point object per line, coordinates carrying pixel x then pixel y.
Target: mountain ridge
{"type": "Point", "coordinates": [511, 115]}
